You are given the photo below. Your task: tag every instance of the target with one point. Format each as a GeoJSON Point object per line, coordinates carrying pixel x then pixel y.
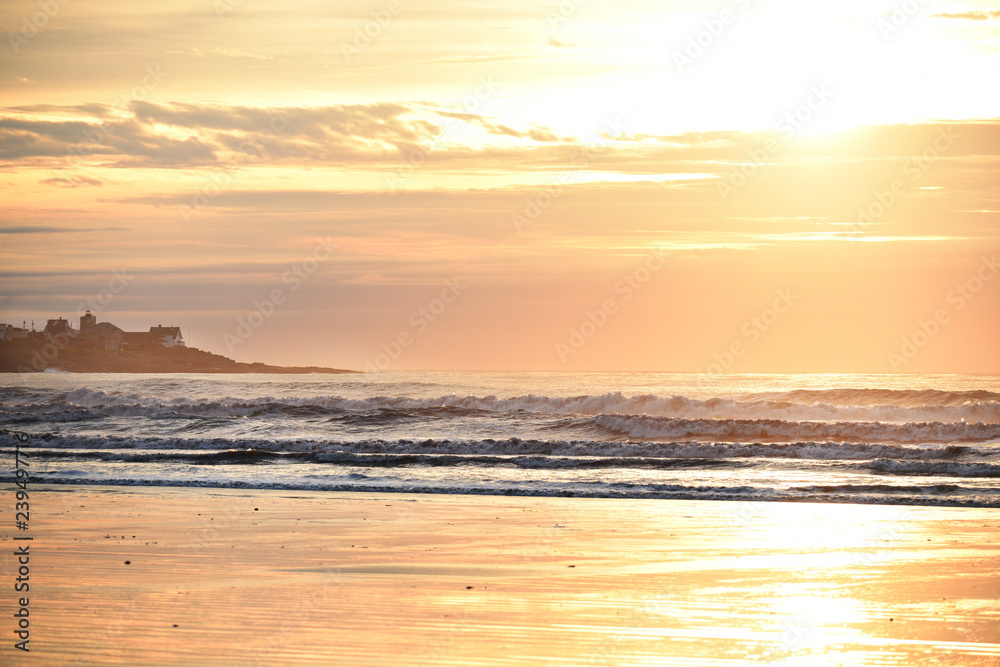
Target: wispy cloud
{"type": "Point", "coordinates": [78, 181]}
{"type": "Point", "coordinates": [375, 136]}
{"type": "Point", "coordinates": [552, 41]}
{"type": "Point", "coordinates": [976, 15]}
{"type": "Point", "coordinates": [254, 54]}
{"type": "Point", "coordinates": [192, 135]}
{"type": "Point", "coordinates": [48, 229]}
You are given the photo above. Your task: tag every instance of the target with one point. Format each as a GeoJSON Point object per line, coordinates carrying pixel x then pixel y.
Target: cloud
{"type": "Point", "coordinates": [542, 134]}
{"type": "Point", "coordinates": [121, 142]}
{"type": "Point", "coordinates": [94, 110]}
{"type": "Point", "coordinates": [552, 41]}
{"type": "Point", "coordinates": [73, 181]}
{"type": "Point", "coordinates": [379, 136]}
{"type": "Point", "coordinates": [231, 53]}
{"type": "Point", "coordinates": [194, 135]}
{"type": "Point", "coordinates": [976, 15]}
{"type": "Point", "coordinates": [48, 229]}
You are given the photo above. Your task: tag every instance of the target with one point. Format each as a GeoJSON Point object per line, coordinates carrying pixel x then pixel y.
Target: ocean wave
{"type": "Point", "coordinates": [902, 496]}
{"type": "Point", "coordinates": [653, 428]}
{"type": "Point", "coordinates": [925, 468]}
{"type": "Point", "coordinates": [914, 398]}
{"type": "Point", "coordinates": [56, 417]}
{"type": "Point", "coordinates": [255, 457]}
{"type": "Point", "coordinates": [775, 441]}
{"type": "Point", "coordinates": [934, 489]}
{"type": "Point", "coordinates": [801, 405]}
{"type": "Point", "coordinates": [941, 466]}
{"type": "Point", "coordinates": [518, 447]}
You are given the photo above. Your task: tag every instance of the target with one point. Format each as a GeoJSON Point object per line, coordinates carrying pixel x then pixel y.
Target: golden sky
{"type": "Point", "coordinates": [734, 186]}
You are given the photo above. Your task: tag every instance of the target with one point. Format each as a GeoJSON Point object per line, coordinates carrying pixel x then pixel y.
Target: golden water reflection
{"type": "Point", "coordinates": [365, 579]}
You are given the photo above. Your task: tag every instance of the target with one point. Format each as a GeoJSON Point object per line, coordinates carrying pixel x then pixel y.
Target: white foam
{"type": "Point", "coordinates": [808, 407]}
{"type": "Point", "coordinates": [771, 430]}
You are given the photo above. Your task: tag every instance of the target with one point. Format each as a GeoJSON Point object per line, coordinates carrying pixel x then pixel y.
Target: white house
{"type": "Point", "coordinates": [167, 336]}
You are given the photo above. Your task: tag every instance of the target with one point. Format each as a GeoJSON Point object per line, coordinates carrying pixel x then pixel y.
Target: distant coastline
{"type": "Point", "coordinates": [102, 347]}
{"type": "Point", "coordinates": [33, 355]}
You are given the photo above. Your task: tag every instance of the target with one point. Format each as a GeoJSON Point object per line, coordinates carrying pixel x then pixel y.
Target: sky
{"type": "Point", "coordinates": [578, 185]}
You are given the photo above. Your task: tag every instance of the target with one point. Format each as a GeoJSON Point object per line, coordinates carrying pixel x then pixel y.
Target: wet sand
{"type": "Point", "coordinates": [292, 578]}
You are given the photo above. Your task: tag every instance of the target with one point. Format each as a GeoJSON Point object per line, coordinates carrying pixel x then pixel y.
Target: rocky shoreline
{"type": "Point", "coordinates": [35, 356]}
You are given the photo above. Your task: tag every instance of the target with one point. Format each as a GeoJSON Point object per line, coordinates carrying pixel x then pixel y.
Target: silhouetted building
{"type": "Point", "coordinates": [57, 327]}
{"type": "Point", "coordinates": [167, 336]}
{"type": "Point", "coordinates": [94, 335]}
{"type": "Point", "coordinates": [103, 336]}
{"type": "Point", "coordinates": [136, 340]}
{"type": "Point", "coordinates": [10, 332]}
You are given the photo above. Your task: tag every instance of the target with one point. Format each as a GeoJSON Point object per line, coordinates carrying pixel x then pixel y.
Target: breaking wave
{"type": "Point", "coordinates": [867, 445]}
{"type": "Point", "coordinates": [823, 451]}
{"type": "Point", "coordinates": [652, 428]}
{"type": "Point", "coordinates": [827, 405]}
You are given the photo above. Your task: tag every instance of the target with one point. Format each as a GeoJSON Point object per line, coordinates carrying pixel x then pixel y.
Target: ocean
{"type": "Point", "coordinates": [886, 439]}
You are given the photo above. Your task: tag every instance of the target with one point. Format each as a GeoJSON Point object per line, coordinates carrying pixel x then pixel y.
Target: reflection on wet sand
{"type": "Point", "coordinates": [264, 577]}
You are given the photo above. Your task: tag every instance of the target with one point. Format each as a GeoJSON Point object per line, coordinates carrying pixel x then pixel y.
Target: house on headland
{"type": "Point", "coordinates": [56, 327]}
{"type": "Point", "coordinates": [103, 336]}
{"type": "Point", "coordinates": [10, 332]}
{"type": "Point", "coordinates": [167, 336]}
{"type": "Point", "coordinates": [94, 335]}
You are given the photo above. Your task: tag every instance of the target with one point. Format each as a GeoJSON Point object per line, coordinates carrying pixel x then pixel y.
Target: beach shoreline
{"type": "Point", "coordinates": [162, 575]}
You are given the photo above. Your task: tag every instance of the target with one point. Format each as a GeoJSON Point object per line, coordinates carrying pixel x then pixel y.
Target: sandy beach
{"type": "Point", "coordinates": [207, 576]}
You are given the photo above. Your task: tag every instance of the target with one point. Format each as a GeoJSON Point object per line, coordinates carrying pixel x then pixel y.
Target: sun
{"type": "Point", "coordinates": [747, 66]}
